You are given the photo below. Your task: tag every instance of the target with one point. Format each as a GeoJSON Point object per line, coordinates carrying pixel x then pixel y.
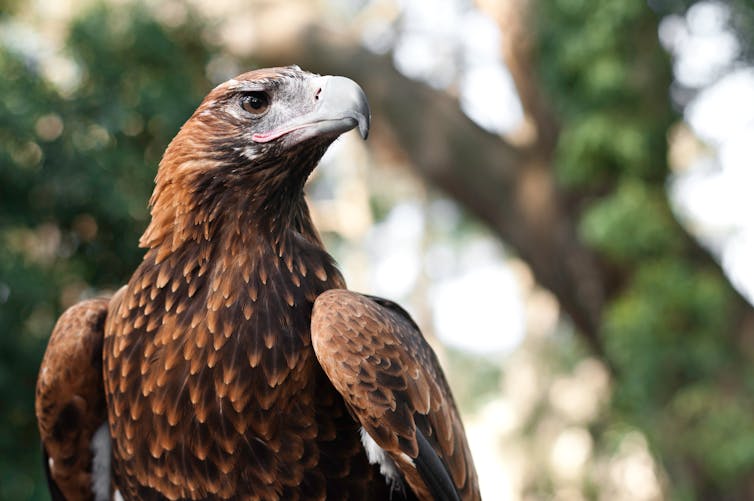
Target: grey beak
{"type": "Point", "coordinates": [342, 99]}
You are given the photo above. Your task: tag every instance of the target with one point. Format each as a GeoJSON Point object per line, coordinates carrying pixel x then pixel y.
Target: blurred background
{"type": "Point", "coordinates": [559, 191]}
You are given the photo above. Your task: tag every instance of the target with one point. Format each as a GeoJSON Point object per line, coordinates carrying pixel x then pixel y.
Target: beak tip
{"type": "Point", "coordinates": [350, 96]}
{"type": "Point", "coordinates": [363, 127]}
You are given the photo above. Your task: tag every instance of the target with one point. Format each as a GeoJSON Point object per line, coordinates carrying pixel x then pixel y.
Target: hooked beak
{"type": "Point", "coordinates": [341, 106]}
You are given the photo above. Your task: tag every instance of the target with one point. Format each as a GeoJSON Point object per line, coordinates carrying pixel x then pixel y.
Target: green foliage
{"type": "Point", "coordinates": [632, 224]}
{"type": "Point", "coordinates": [669, 327]}
{"type": "Point", "coordinates": [598, 146]}
{"type": "Point", "coordinates": [665, 328]}
{"type": "Point", "coordinates": [76, 170]}
{"type": "Point", "coordinates": [601, 64]}
{"type": "Point", "coordinates": [722, 427]}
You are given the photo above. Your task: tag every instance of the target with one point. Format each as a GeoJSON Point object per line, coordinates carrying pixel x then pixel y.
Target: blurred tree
{"type": "Point", "coordinates": [676, 332]}
{"type": "Point", "coordinates": [740, 21]}
{"type": "Point", "coordinates": [76, 169]}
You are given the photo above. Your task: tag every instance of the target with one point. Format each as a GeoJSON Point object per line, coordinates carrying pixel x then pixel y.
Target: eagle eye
{"type": "Point", "coordinates": [256, 102]}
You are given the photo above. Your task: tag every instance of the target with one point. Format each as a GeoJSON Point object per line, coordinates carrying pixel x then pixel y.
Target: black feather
{"type": "Point", "coordinates": [434, 472]}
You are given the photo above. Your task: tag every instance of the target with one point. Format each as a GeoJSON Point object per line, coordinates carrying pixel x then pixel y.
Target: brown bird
{"type": "Point", "coordinates": [235, 364]}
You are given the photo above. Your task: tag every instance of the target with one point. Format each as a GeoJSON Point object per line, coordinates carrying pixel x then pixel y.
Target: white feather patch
{"type": "Point", "coordinates": [250, 153]}
{"type": "Point", "coordinates": [377, 455]}
{"type": "Point", "coordinates": [101, 449]}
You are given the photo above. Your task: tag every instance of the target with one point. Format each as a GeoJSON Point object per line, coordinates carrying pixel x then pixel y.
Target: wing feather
{"type": "Point", "coordinates": [70, 398]}
{"type": "Point", "coordinates": [376, 357]}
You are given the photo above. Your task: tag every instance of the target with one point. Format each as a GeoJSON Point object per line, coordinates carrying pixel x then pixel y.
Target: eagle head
{"type": "Point", "coordinates": [277, 113]}
{"type": "Point", "coordinates": [250, 146]}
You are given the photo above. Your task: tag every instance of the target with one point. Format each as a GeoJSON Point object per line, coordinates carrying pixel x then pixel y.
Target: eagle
{"type": "Point", "coordinates": [235, 363]}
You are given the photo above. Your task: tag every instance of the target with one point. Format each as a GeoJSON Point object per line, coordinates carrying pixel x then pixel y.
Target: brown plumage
{"type": "Point", "coordinates": [208, 365]}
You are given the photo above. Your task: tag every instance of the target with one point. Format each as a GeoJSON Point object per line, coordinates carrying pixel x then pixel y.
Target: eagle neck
{"type": "Point", "coordinates": [220, 203]}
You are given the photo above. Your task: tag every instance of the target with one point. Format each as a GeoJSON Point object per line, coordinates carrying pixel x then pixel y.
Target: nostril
{"type": "Point", "coordinates": [316, 94]}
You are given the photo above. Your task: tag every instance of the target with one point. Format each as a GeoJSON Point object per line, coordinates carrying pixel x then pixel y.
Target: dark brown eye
{"type": "Point", "coordinates": [255, 103]}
